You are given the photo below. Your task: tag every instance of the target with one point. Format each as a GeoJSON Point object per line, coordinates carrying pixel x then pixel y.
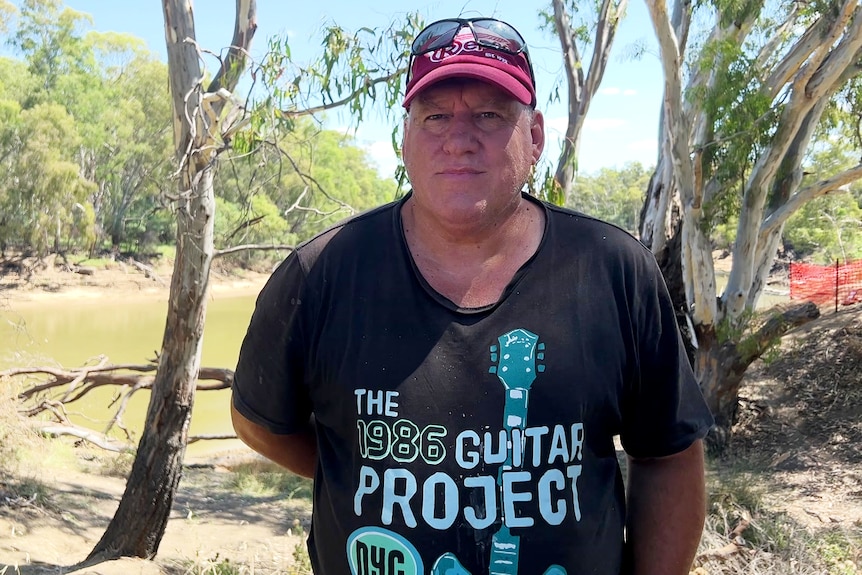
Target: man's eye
{"type": "Point", "coordinates": [489, 115]}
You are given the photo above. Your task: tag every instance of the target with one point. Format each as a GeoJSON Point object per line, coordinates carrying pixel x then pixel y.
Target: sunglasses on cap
{"type": "Point", "coordinates": [487, 32]}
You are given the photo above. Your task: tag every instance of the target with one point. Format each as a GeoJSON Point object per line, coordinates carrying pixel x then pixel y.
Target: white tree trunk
{"type": "Point", "coordinates": [581, 87]}
{"type": "Point", "coordinates": [698, 272]}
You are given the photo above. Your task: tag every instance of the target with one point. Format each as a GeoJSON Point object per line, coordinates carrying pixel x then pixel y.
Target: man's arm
{"type": "Point", "coordinates": [666, 508]}
{"type": "Point", "coordinates": [296, 452]}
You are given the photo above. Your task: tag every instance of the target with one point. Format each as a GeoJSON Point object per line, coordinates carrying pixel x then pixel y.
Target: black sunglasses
{"type": "Point", "coordinates": [488, 32]}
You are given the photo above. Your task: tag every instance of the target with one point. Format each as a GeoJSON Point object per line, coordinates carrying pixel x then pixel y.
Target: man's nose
{"type": "Point", "coordinates": [461, 135]}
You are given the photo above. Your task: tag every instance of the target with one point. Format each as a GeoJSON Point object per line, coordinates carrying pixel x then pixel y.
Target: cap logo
{"type": "Point", "coordinates": [459, 47]}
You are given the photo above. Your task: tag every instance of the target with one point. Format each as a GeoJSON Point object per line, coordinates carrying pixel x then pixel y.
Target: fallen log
{"type": "Point", "coordinates": [94, 437]}
{"type": "Point", "coordinates": [148, 271]}
{"type": "Point", "coordinates": [58, 387]}
{"type": "Point", "coordinates": [109, 443]}
{"type": "Point", "coordinates": [106, 374]}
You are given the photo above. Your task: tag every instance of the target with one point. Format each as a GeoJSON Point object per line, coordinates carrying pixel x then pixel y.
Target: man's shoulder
{"type": "Point", "coordinates": [364, 226]}
{"type": "Point", "coordinates": [347, 241]}
{"type": "Point", "coordinates": [586, 227]}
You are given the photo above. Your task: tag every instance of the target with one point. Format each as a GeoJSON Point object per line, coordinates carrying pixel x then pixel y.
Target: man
{"type": "Point", "coordinates": [452, 368]}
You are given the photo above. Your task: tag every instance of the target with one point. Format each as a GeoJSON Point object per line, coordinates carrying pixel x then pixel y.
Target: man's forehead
{"type": "Point", "coordinates": [468, 89]}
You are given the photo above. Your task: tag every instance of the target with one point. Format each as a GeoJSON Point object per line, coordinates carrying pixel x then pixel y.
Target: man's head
{"type": "Point", "coordinates": [483, 49]}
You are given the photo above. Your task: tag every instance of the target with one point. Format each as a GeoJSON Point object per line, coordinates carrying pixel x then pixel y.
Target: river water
{"type": "Point", "coordinates": [73, 332]}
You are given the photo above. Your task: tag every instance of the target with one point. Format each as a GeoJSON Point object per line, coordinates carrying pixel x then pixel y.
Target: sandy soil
{"type": "Point", "coordinates": [209, 523]}
{"type": "Point", "coordinates": [800, 424]}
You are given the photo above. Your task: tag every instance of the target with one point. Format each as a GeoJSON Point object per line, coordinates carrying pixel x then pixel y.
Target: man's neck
{"type": "Point", "coordinates": [472, 267]}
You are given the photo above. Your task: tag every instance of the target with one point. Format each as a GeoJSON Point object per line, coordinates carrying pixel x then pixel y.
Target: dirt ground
{"type": "Point", "coordinates": [800, 423]}
{"type": "Point", "coordinates": [799, 437]}
{"type": "Point", "coordinates": [209, 523]}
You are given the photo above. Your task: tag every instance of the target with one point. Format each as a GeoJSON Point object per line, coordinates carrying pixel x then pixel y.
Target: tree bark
{"type": "Point", "coordinates": [140, 520]}
{"type": "Point", "coordinates": [715, 368]}
{"type": "Point", "coordinates": [721, 365]}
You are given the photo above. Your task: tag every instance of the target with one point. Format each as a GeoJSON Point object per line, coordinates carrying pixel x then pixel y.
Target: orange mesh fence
{"type": "Point", "coordinates": [838, 283]}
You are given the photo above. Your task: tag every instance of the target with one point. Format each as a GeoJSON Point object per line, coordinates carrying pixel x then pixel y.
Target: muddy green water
{"type": "Point", "coordinates": [75, 332]}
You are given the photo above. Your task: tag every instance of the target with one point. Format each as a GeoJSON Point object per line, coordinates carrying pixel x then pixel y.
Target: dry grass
{"type": "Point", "coordinates": [260, 477]}
{"type": "Point", "coordinates": [787, 497]}
{"type": "Point", "coordinates": [16, 437]}
{"type": "Point", "coordinates": [743, 535]}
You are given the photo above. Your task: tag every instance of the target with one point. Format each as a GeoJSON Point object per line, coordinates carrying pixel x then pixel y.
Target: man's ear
{"type": "Point", "coordinates": [537, 131]}
{"type": "Point", "coordinates": [404, 128]}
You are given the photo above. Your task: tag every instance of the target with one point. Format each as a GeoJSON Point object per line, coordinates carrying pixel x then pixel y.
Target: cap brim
{"type": "Point", "coordinates": [495, 76]}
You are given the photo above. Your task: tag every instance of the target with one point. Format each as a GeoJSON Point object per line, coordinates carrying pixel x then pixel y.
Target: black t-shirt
{"type": "Point", "coordinates": [470, 440]}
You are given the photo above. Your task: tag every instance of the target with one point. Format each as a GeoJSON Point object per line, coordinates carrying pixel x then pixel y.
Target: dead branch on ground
{"type": "Point", "coordinates": [49, 390]}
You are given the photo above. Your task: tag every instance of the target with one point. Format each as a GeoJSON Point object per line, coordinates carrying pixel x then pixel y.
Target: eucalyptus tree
{"type": "Point", "coordinates": [111, 86]}
{"type": "Point", "coordinates": [310, 177]}
{"type": "Point", "coordinates": [48, 35]}
{"type": "Point", "coordinates": [827, 229]}
{"type": "Point", "coordinates": [16, 82]}
{"type": "Point", "coordinates": [582, 82]}
{"type": "Point", "coordinates": [615, 195]}
{"type": "Point", "coordinates": [744, 99]}
{"type": "Point", "coordinates": [127, 151]}
{"type": "Point", "coordinates": [7, 11]}
{"type": "Point", "coordinates": [122, 112]}
{"type": "Point", "coordinates": [42, 195]}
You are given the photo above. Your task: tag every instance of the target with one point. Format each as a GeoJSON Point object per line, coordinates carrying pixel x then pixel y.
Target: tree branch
{"type": "Point", "coordinates": [80, 381]}
{"type": "Point", "coordinates": [109, 443]}
{"type": "Point", "coordinates": [369, 82]}
{"type": "Point", "coordinates": [795, 58]}
{"type": "Point", "coordinates": [756, 345]}
{"type": "Point", "coordinates": [89, 378]}
{"type": "Point", "coordinates": [251, 247]}
{"type": "Point", "coordinates": [210, 436]}
{"type": "Point", "coordinates": [847, 31]}
{"type": "Point", "coordinates": [797, 200]}
{"type": "Point", "coordinates": [605, 32]}
{"type": "Point", "coordinates": [245, 25]}
{"type": "Point", "coordinates": [582, 87]}
{"type": "Point", "coordinates": [245, 225]}
{"type": "Point", "coordinates": [94, 437]}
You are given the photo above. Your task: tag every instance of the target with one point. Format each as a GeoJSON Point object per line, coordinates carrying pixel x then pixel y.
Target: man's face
{"type": "Point", "coordinates": [468, 149]}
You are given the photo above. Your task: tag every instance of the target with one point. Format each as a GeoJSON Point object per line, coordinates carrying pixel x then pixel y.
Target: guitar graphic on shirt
{"type": "Point", "coordinates": [515, 365]}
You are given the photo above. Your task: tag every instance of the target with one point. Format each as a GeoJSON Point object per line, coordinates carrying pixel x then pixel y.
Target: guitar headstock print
{"type": "Point", "coordinates": [516, 360]}
{"type": "Point", "coordinates": [516, 357]}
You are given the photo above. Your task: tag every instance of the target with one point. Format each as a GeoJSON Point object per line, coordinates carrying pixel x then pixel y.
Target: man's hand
{"type": "Point", "coordinates": [666, 508]}
{"type": "Point", "coordinates": [296, 452]}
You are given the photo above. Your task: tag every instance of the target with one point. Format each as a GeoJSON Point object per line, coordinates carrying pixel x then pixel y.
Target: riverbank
{"type": "Point", "coordinates": [59, 499]}
{"type": "Point", "coordinates": [111, 281]}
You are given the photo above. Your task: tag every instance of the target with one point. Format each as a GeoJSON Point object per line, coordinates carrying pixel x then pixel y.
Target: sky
{"type": "Point", "coordinates": [622, 124]}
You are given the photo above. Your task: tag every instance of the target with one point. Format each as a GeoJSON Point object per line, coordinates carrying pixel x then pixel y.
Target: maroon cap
{"type": "Point", "coordinates": [465, 58]}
